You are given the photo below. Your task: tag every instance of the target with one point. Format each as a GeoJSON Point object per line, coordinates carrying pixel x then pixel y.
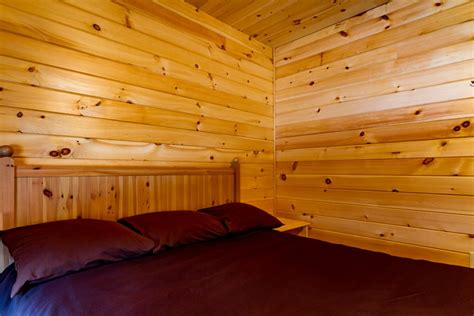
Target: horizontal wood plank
{"type": "Point", "coordinates": [35, 98]}
{"type": "Point", "coordinates": [38, 122]}
{"type": "Point", "coordinates": [72, 148]}
{"type": "Point", "coordinates": [45, 53]}
{"type": "Point", "coordinates": [433, 94]}
{"type": "Point", "coordinates": [410, 235]}
{"type": "Point", "coordinates": [460, 204]}
{"type": "Point", "coordinates": [33, 74]}
{"type": "Point", "coordinates": [416, 184]}
{"type": "Point", "coordinates": [452, 147]}
{"type": "Point", "coordinates": [455, 166]}
{"type": "Point", "coordinates": [419, 113]}
{"type": "Point", "coordinates": [394, 248]}
{"type": "Point", "coordinates": [382, 134]}
{"type": "Point", "coordinates": [395, 216]}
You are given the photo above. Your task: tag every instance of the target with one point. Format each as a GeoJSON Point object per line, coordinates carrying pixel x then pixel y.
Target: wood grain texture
{"type": "Point", "coordinates": [374, 143]}
{"type": "Point", "coordinates": [392, 247]}
{"type": "Point", "coordinates": [7, 191]}
{"type": "Point", "coordinates": [42, 193]}
{"type": "Point", "coordinates": [133, 84]}
{"type": "Point", "coordinates": [280, 22]}
{"type": "Point", "coordinates": [48, 198]}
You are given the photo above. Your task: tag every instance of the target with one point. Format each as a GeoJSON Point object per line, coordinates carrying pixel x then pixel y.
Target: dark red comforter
{"type": "Point", "coordinates": [262, 273]}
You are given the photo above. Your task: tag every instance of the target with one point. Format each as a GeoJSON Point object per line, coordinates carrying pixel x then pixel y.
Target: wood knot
{"type": "Point", "coordinates": [19, 114]}
{"type": "Point", "coordinates": [31, 69]}
{"type": "Point", "coordinates": [54, 153]}
{"type": "Point", "coordinates": [384, 17]}
{"type": "Point", "coordinates": [311, 83]}
{"type": "Point", "coordinates": [427, 161]}
{"type": "Point", "coordinates": [362, 134]}
{"type": "Point", "coordinates": [212, 157]}
{"type": "Point", "coordinates": [294, 165]}
{"type": "Point", "coordinates": [418, 112]}
{"type": "Point", "coordinates": [457, 128]}
{"type": "Point", "coordinates": [283, 177]}
{"type": "Point", "coordinates": [444, 143]}
{"type": "Point", "coordinates": [328, 181]}
{"type": "Point", "coordinates": [96, 27]}
{"type": "Point", "coordinates": [148, 184]}
{"type": "Point", "coordinates": [65, 151]}
{"type": "Point", "coordinates": [437, 4]}
{"type": "Point", "coordinates": [344, 33]}
{"type": "Point", "coordinates": [1, 88]}
{"type": "Point", "coordinates": [395, 190]}
{"type": "Point", "coordinates": [296, 22]}
{"type": "Point", "coordinates": [465, 124]}
{"type": "Point", "coordinates": [48, 193]}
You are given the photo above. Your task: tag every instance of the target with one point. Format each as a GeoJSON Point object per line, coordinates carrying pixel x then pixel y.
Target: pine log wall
{"type": "Point", "coordinates": [374, 130]}
{"type": "Point", "coordinates": [135, 83]}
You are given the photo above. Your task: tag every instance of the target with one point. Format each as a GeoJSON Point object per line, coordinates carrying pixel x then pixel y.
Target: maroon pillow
{"type": "Point", "coordinates": [175, 228]}
{"type": "Point", "coordinates": [49, 250]}
{"type": "Point", "coordinates": [241, 217]}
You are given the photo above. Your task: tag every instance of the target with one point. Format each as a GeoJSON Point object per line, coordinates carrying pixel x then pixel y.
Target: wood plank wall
{"type": "Point", "coordinates": [134, 83]}
{"type": "Point", "coordinates": [374, 130]}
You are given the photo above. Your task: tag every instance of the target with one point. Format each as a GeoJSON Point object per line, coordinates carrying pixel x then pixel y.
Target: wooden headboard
{"type": "Point", "coordinates": [38, 194]}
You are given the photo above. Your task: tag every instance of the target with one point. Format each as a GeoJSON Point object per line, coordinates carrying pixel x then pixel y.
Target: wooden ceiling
{"type": "Point", "coordinates": [277, 22]}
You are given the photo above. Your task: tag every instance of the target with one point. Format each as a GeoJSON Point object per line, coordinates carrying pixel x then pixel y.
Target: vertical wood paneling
{"type": "Point", "coordinates": [374, 131]}
{"type": "Point", "coordinates": [127, 83]}
{"type": "Point", "coordinates": [49, 198]}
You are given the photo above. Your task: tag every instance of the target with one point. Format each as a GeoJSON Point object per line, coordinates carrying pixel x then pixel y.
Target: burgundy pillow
{"type": "Point", "coordinates": [49, 250]}
{"type": "Point", "coordinates": [241, 217]}
{"type": "Point", "coordinates": [175, 228]}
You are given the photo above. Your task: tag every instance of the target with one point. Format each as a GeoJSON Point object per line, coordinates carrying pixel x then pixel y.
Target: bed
{"type": "Point", "coordinates": [259, 273]}
{"type": "Point", "coordinates": [256, 272]}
